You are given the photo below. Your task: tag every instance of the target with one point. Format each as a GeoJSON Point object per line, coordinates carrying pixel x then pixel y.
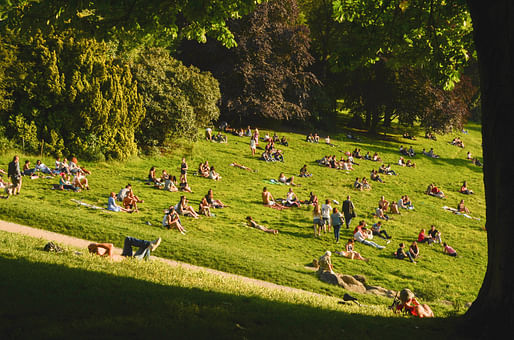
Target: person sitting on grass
{"type": "Point", "coordinates": [375, 176]}
{"type": "Point", "coordinates": [414, 250]}
{"type": "Point", "coordinates": [383, 203]}
{"type": "Point", "coordinates": [268, 200]}
{"type": "Point", "coordinates": [401, 162]}
{"type": "Point", "coordinates": [283, 179]}
{"type": "Point", "coordinates": [378, 231]}
{"type": "Point", "coordinates": [400, 253]}
{"type": "Point", "coordinates": [27, 170]}
{"type": "Point", "coordinates": [367, 156]}
{"type": "Point", "coordinates": [357, 185]}
{"type": "Point", "coordinates": [350, 253]}
{"type": "Point", "coordinates": [184, 186]}
{"type": "Point", "coordinates": [284, 141]}
{"type": "Point", "coordinates": [80, 180]}
{"type": "Point", "coordinates": [356, 153]}
{"type": "Point", "coordinates": [292, 199]}
{"type": "Point", "coordinates": [365, 184]}
{"type": "Point", "coordinates": [376, 158]}
{"type": "Point", "coordinates": [251, 223]}
{"type": "Point", "coordinates": [151, 176]}
{"type": "Point", "coordinates": [464, 189]}
{"type": "Point", "coordinates": [313, 199]}
{"type": "Point", "coordinates": [449, 250]}
{"type": "Point", "coordinates": [325, 263]}
{"type": "Point", "coordinates": [407, 202]}
{"type": "Point", "coordinates": [433, 190]}
{"type": "Point", "coordinates": [213, 202]}
{"type": "Point", "coordinates": [204, 208]}
{"type": "Point", "coordinates": [360, 236]}
{"type": "Point", "coordinates": [171, 220]}
{"type": "Point", "coordinates": [43, 168]}
{"type": "Point", "coordinates": [185, 209]}
{"type": "Point", "coordinates": [422, 237]}
{"type": "Point", "coordinates": [431, 153]}
{"type": "Point", "coordinates": [130, 201]}
{"type": "Point", "coordinates": [65, 184]}
{"type": "Point", "coordinates": [379, 212]}
{"type": "Point", "coordinates": [462, 208]}
{"type": "Point", "coordinates": [170, 184]}
{"type": "Point", "coordinates": [434, 234]}
{"type": "Point", "coordinates": [112, 206]}
{"type": "Point", "coordinates": [203, 169]}
{"type": "Point", "coordinates": [409, 304]}
{"type": "Point", "coordinates": [393, 208]}
{"type": "Point", "coordinates": [410, 164]}
{"type": "Point", "coordinates": [304, 172]}
{"type": "Point", "coordinates": [213, 174]}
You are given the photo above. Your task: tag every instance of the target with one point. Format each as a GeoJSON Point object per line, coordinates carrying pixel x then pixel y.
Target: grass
{"type": "Point", "coordinates": [88, 296]}
{"type": "Point", "coordinates": [222, 243]}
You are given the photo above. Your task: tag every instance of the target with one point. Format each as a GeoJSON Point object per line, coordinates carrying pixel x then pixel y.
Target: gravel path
{"type": "Point", "coordinates": [81, 243]}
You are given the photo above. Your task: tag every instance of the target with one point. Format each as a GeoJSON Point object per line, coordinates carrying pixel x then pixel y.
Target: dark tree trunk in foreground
{"type": "Point", "coordinates": [493, 21]}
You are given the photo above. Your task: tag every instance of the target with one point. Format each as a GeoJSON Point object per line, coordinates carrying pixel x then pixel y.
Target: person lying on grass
{"type": "Point", "coordinates": [171, 220]}
{"type": "Point", "coordinates": [409, 304]}
{"type": "Point", "coordinates": [251, 223]}
{"type": "Point", "coordinates": [361, 236]}
{"type": "Point", "coordinates": [410, 164]}
{"type": "Point", "coordinates": [283, 179]}
{"type": "Point", "coordinates": [213, 202]}
{"type": "Point", "coordinates": [183, 208]}
{"type": "Point", "coordinates": [400, 253]}
{"type": "Point", "coordinates": [449, 250]}
{"type": "Point", "coordinates": [102, 249]}
{"type": "Point", "coordinates": [269, 200]}
{"type": "Point", "coordinates": [145, 247]}
{"type": "Point", "coordinates": [240, 166]}
{"type": "Point", "coordinates": [349, 253]}
{"type": "Point", "coordinates": [112, 206]}
{"type": "Point", "coordinates": [383, 169]}
{"type": "Point", "coordinates": [464, 189]}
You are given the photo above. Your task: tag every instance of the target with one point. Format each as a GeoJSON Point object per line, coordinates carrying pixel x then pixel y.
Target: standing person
{"type": "Point", "coordinates": [183, 169]}
{"type": "Point", "coordinates": [337, 220]}
{"type": "Point", "coordinates": [348, 211]}
{"type": "Point", "coordinates": [13, 171]}
{"type": "Point", "coordinates": [253, 145]}
{"type": "Point", "coordinates": [316, 220]}
{"type": "Point", "coordinates": [325, 215]}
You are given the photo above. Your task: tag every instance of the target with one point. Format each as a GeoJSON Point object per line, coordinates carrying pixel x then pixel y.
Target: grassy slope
{"type": "Point", "coordinates": [222, 242]}
{"type": "Point", "coordinates": [86, 295]}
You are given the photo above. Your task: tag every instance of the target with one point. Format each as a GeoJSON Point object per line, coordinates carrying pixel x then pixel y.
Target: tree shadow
{"type": "Point", "coordinates": [55, 301]}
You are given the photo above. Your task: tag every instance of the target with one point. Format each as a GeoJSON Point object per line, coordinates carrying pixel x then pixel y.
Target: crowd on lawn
{"type": "Point", "coordinates": [326, 218]}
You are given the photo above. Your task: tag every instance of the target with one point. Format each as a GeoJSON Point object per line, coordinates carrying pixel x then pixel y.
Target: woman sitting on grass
{"type": "Point", "coordinates": [422, 238]}
{"type": "Point", "coordinates": [357, 185]}
{"type": "Point", "coordinates": [151, 176]}
{"type": "Point", "coordinates": [170, 184]}
{"type": "Point", "coordinates": [303, 171]}
{"type": "Point", "coordinates": [365, 184]}
{"type": "Point", "coordinates": [112, 206]}
{"type": "Point", "coordinates": [204, 208]}
{"type": "Point", "coordinates": [171, 220]}
{"type": "Point", "coordinates": [251, 223]}
{"type": "Point", "coordinates": [203, 170]}
{"type": "Point", "coordinates": [393, 208]}
{"type": "Point", "coordinates": [185, 209]}
{"type": "Point", "coordinates": [349, 252]}
{"type": "Point", "coordinates": [449, 250]}
{"type": "Point", "coordinates": [214, 175]}
{"type": "Point", "coordinates": [80, 181]}
{"type": "Point", "coordinates": [292, 199]}
{"type": "Point", "coordinates": [313, 199]}
{"type": "Point", "coordinates": [410, 164]}
{"type": "Point", "coordinates": [414, 250]}
{"type": "Point", "coordinates": [184, 186]}
{"type": "Point", "coordinates": [213, 202]}
{"type": "Point", "coordinates": [64, 184]}
{"type": "Point", "coordinates": [130, 201]}
{"type": "Point", "coordinates": [462, 208]}
{"type": "Point", "coordinates": [409, 304]}
{"type": "Point", "coordinates": [283, 179]}
{"type": "Point", "coordinates": [376, 158]}
{"type": "Point", "coordinates": [464, 189]}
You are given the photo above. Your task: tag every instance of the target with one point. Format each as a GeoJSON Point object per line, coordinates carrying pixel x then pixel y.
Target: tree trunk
{"type": "Point", "coordinates": [492, 313]}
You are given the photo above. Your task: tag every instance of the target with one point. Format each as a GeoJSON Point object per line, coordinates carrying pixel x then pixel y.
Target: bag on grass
{"type": "Point", "coordinates": [53, 247]}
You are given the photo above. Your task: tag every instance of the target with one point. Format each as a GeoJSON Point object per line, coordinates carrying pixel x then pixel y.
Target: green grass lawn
{"type": "Point", "coordinates": [81, 296]}
{"type": "Point", "coordinates": [223, 243]}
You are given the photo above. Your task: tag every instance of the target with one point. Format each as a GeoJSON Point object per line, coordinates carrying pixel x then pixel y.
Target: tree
{"type": "Point", "coordinates": [177, 99]}
{"type": "Point", "coordinates": [73, 94]}
{"type": "Point", "coordinates": [265, 76]}
{"type": "Point", "coordinates": [492, 313]}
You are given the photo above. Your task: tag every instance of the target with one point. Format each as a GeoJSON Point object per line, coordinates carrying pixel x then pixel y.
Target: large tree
{"type": "Point", "coordinates": [265, 75]}
{"type": "Point", "coordinates": [493, 22]}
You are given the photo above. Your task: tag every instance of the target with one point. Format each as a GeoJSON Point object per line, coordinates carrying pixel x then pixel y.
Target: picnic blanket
{"type": "Point", "coordinates": [91, 206]}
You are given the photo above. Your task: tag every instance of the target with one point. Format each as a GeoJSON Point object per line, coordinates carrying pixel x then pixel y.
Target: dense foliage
{"type": "Point", "coordinates": [265, 76]}
{"type": "Point", "coordinates": [178, 99]}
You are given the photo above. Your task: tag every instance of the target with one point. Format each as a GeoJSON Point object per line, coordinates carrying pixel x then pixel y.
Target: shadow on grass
{"type": "Point", "coordinates": [47, 300]}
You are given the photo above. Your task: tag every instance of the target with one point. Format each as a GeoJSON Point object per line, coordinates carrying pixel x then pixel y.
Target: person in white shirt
{"type": "Point", "coordinates": [326, 209]}
{"type": "Point", "coordinates": [360, 237]}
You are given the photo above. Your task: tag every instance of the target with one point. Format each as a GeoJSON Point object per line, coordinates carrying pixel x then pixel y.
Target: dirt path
{"type": "Point", "coordinates": [80, 243]}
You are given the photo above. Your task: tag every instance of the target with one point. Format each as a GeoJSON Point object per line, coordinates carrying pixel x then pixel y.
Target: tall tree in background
{"type": "Point", "coordinates": [265, 76]}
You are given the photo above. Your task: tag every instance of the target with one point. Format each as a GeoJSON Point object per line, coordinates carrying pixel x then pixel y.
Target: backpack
{"type": "Point", "coordinates": [53, 247]}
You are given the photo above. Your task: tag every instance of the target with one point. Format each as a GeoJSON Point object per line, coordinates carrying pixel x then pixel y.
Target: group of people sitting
{"type": "Point", "coordinates": [430, 153]}
{"type": "Point", "coordinates": [312, 138]}
{"type": "Point", "coordinates": [386, 169]}
{"type": "Point", "coordinates": [332, 162]}
{"type": "Point", "coordinates": [207, 171]}
{"type": "Point", "coordinates": [361, 185]}
{"type": "Point", "coordinates": [433, 190]}
{"type": "Point", "coordinates": [407, 163]}
{"type": "Point", "coordinates": [405, 152]}
{"type": "Point", "coordinates": [168, 182]}
{"type": "Point", "coordinates": [458, 142]}
{"type": "Point", "coordinates": [271, 154]}
{"type": "Point", "coordinates": [408, 136]}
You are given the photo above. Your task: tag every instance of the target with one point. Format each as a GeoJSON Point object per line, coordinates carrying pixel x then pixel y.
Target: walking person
{"type": "Point", "coordinates": [348, 211]}
{"type": "Point", "coordinates": [13, 171]}
{"type": "Point", "coordinates": [337, 220]}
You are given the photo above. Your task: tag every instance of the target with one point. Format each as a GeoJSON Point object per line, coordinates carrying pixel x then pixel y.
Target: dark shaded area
{"type": "Point", "coordinates": [52, 301]}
